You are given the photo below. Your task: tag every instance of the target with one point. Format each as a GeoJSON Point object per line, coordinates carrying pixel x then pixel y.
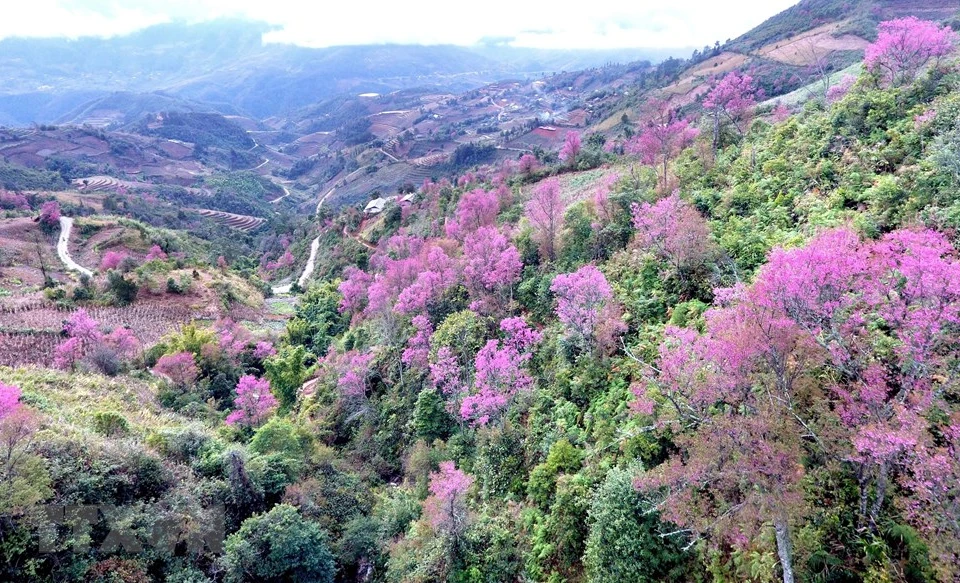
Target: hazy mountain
{"type": "Point", "coordinates": [226, 64]}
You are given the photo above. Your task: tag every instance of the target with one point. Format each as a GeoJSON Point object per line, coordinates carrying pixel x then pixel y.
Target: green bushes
{"type": "Point", "coordinates": [278, 546]}
{"type": "Point", "coordinates": [624, 542]}
{"type": "Point", "coordinates": [110, 423]}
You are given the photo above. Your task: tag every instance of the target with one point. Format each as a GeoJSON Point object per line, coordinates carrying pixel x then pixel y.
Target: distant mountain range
{"type": "Point", "coordinates": [224, 65]}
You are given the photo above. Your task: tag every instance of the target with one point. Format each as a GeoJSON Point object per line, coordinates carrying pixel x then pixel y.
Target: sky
{"type": "Point", "coordinates": [591, 24]}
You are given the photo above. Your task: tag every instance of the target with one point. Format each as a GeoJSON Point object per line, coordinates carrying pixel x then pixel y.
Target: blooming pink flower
{"type": "Point", "coordinates": [156, 253]}
{"type": "Point", "coordinates": [180, 368]}
{"type": "Point", "coordinates": [254, 402]}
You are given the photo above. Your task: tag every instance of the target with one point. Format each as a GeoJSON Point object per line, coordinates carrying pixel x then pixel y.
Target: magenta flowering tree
{"type": "Point", "coordinates": [264, 349]}
{"type": "Point", "coordinates": [13, 201]}
{"type": "Point", "coordinates": [500, 372]}
{"type": "Point", "coordinates": [180, 368]}
{"type": "Point", "coordinates": [584, 304]}
{"type": "Point", "coordinates": [285, 260]}
{"type": "Point", "coordinates": [528, 163]}
{"type": "Point", "coordinates": [840, 90]}
{"type": "Point", "coordinates": [9, 400]}
{"type": "Point", "coordinates": [112, 260]}
{"type": "Point", "coordinates": [354, 290]}
{"type": "Point", "coordinates": [83, 333]}
{"type": "Point", "coordinates": [18, 425]}
{"type": "Point", "coordinates": [675, 232]}
{"type": "Point", "coordinates": [50, 215]}
{"type": "Point", "coordinates": [905, 46]}
{"type": "Point", "coordinates": [881, 315]}
{"type": "Point", "coordinates": [491, 267]}
{"type": "Point", "coordinates": [123, 342]}
{"type": "Point", "coordinates": [254, 402]}
{"type": "Point", "coordinates": [355, 374]}
{"type": "Point", "coordinates": [545, 213]}
{"type": "Point", "coordinates": [478, 208]}
{"type": "Point", "coordinates": [438, 273]}
{"type": "Point", "coordinates": [350, 373]}
{"type": "Point", "coordinates": [466, 179]}
{"type": "Point", "coordinates": [417, 352]}
{"type": "Point", "coordinates": [446, 373]}
{"type": "Point", "coordinates": [81, 325]}
{"type": "Point", "coordinates": [780, 113]}
{"type": "Point", "coordinates": [407, 275]}
{"type": "Point", "coordinates": [232, 338]}
{"type": "Point", "coordinates": [156, 253]}
{"type": "Point", "coordinates": [446, 507]}
{"type": "Point", "coordinates": [732, 100]}
{"type": "Point", "coordinates": [603, 207]}
{"type": "Point", "coordinates": [571, 148]}
{"type": "Point", "coordinates": [663, 137]}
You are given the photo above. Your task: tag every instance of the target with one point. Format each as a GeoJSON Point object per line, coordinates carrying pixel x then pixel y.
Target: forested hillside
{"type": "Point", "coordinates": [723, 349]}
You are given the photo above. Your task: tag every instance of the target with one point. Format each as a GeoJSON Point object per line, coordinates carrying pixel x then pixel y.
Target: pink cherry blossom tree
{"type": "Point", "coordinates": [156, 253]}
{"type": "Point", "coordinates": [83, 333]}
{"type": "Point", "coordinates": [840, 90]}
{"type": "Point", "coordinates": [491, 267]}
{"type": "Point", "coordinates": [499, 372]}
{"type": "Point", "coordinates": [123, 342]}
{"type": "Point", "coordinates": [180, 368]}
{"type": "Point", "coordinates": [354, 290]}
{"type": "Point", "coordinates": [675, 232]}
{"type": "Point", "coordinates": [905, 46]}
{"type": "Point", "coordinates": [663, 137]}
{"type": "Point", "coordinates": [232, 338]}
{"type": "Point", "coordinates": [478, 208]}
{"type": "Point", "coordinates": [438, 272]}
{"type": "Point", "coordinates": [112, 260]}
{"type": "Point", "coordinates": [254, 402]}
{"type": "Point", "coordinates": [881, 315]}
{"type": "Point", "coordinates": [50, 215]}
{"type": "Point", "coordinates": [545, 212]}
{"type": "Point", "coordinates": [446, 507]}
{"type": "Point", "coordinates": [571, 148]}
{"type": "Point", "coordinates": [584, 303]}
{"type": "Point", "coordinates": [528, 163]}
{"type": "Point", "coordinates": [264, 349]}
{"type": "Point", "coordinates": [18, 425]}
{"type": "Point", "coordinates": [9, 400]}
{"type": "Point", "coordinates": [732, 100]}
{"type": "Point", "coordinates": [417, 352]}
{"type": "Point", "coordinates": [13, 201]}
{"type": "Point", "coordinates": [780, 113]}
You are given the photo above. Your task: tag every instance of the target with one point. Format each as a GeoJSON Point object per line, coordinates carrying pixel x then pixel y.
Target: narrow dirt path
{"type": "Point", "coordinates": [323, 199]}
{"type": "Point", "coordinates": [311, 261]}
{"type": "Point", "coordinates": [286, 193]}
{"type": "Point", "coordinates": [356, 237]}
{"type": "Point", "coordinates": [63, 247]}
{"type": "Point", "coordinates": [307, 270]}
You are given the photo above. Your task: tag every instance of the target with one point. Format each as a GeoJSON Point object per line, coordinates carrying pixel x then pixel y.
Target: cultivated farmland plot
{"type": "Point", "coordinates": [240, 222]}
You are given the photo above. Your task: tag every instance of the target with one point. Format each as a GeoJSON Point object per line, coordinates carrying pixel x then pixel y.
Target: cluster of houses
{"type": "Point", "coordinates": [376, 206]}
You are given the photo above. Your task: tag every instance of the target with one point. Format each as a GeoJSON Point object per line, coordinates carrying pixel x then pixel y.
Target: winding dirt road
{"type": "Point", "coordinates": [311, 261]}
{"type": "Point", "coordinates": [307, 270]}
{"type": "Point", "coordinates": [63, 247]}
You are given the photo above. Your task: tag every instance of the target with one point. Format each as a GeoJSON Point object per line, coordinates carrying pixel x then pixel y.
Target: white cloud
{"type": "Point", "coordinates": [594, 24]}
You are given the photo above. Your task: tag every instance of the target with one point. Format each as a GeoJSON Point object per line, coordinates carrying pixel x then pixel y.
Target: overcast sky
{"type": "Point", "coordinates": [597, 24]}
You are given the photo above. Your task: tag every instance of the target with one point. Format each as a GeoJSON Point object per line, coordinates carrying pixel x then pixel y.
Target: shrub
{"type": "Point", "coordinates": [110, 423]}
{"type": "Point", "coordinates": [278, 546]}
{"type": "Point", "coordinates": [624, 543]}
{"type": "Point", "coordinates": [124, 291]}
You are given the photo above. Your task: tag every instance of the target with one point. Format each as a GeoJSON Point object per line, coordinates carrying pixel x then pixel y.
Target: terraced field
{"type": "Point", "coordinates": [243, 223]}
{"type": "Point", "coordinates": [103, 184]}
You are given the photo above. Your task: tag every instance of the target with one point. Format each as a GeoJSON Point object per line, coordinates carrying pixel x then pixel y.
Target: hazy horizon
{"type": "Point", "coordinates": [607, 25]}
